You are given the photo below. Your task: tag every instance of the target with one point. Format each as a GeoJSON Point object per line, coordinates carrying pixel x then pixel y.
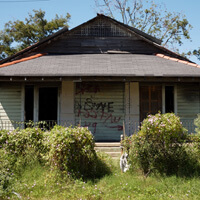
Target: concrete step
{"type": "Point", "coordinates": [107, 149]}
{"type": "Point", "coordinates": [112, 149]}
{"type": "Point", "coordinates": [107, 144]}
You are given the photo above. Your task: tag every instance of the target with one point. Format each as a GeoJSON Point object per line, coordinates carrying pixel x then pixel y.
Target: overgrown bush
{"type": "Point", "coordinates": [197, 124]}
{"type": "Point", "coordinates": [26, 144]}
{"type": "Point", "coordinates": [7, 177]}
{"type": "Point", "coordinates": [18, 149]}
{"type": "Point", "coordinates": [71, 150]}
{"type": "Point", "coordinates": [160, 146]}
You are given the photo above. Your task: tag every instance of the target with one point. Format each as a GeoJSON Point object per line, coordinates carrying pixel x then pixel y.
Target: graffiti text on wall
{"type": "Point", "coordinates": [96, 112]}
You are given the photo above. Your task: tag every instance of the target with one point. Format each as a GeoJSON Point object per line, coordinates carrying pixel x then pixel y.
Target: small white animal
{"type": "Point", "coordinates": [124, 162]}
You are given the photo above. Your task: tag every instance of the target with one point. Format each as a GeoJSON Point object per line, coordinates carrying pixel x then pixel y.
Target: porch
{"type": "Point", "coordinates": [129, 127]}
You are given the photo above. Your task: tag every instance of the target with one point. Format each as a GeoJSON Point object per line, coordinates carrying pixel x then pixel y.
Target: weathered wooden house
{"type": "Point", "coordinates": [99, 74]}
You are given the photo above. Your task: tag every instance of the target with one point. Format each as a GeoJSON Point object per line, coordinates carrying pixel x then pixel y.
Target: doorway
{"type": "Point", "coordinates": [29, 103]}
{"type": "Point", "coordinates": [48, 104]}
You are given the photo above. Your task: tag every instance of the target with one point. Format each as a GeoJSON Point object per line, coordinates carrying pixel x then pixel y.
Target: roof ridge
{"type": "Point", "coordinates": [177, 60]}
{"type": "Point", "coordinates": [22, 59]}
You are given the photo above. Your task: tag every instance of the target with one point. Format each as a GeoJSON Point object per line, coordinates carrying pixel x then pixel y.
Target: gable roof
{"type": "Point", "coordinates": [141, 35]}
{"type": "Point", "coordinates": [30, 62]}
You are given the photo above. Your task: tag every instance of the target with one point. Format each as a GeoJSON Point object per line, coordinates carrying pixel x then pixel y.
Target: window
{"type": "Point", "coordinates": [150, 100]}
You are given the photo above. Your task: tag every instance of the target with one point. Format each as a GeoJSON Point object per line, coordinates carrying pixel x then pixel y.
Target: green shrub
{"type": "Point", "coordinates": [26, 144]}
{"type": "Point", "coordinates": [71, 150]}
{"type": "Point", "coordinates": [7, 177]}
{"type": "Point", "coordinates": [197, 124]}
{"type": "Point", "coordinates": [4, 134]}
{"type": "Point", "coordinates": [159, 145]}
{"type": "Point", "coordinates": [18, 149]}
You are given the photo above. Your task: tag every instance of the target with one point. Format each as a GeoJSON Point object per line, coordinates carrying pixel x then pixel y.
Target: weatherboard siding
{"type": "Point", "coordinates": [99, 36]}
{"type": "Point", "coordinates": [100, 106]}
{"type": "Point", "coordinates": [99, 45]}
{"type": "Point", "coordinates": [10, 105]}
{"type": "Point", "coordinates": [188, 104]}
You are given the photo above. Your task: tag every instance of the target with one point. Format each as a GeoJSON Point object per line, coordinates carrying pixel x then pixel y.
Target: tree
{"type": "Point", "coordinates": [18, 35]}
{"type": "Point", "coordinates": [196, 52]}
{"type": "Point", "coordinates": [149, 17]}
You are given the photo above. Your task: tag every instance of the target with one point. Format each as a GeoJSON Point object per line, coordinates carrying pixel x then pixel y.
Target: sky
{"type": "Point", "coordinates": [83, 10]}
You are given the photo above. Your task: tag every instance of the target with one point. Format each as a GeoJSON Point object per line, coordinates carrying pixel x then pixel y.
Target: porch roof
{"type": "Point", "coordinates": [117, 64]}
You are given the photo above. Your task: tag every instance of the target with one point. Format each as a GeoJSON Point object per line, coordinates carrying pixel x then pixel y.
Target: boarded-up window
{"type": "Point", "coordinates": [100, 106]}
{"type": "Point", "coordinates": [150, 100]}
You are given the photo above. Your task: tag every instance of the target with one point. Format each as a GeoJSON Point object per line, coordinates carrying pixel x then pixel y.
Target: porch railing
{"type": "Point", "coordinates": [131, 127]}
{"type": "Point", "coordinates": [47, 124]}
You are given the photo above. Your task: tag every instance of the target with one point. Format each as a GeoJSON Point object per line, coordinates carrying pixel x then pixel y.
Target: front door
{"type": "Point", "coordinates": [150, 100]}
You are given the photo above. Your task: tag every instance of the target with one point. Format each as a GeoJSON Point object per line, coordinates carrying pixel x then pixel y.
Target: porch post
{"type": "Point", "coordinates": [67, 103]}
{"type": "Point", "coordinates": [36, 104]}
{"type": "Point", "coordinates": [134, 106]}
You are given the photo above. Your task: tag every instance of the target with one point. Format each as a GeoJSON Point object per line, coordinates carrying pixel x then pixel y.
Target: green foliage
{"type": "Point", "coordinates": [19, 148]}
{"type": "Point", "coordinates": [6, 175]}
{"type": "Point", "coordinates": [40, 182]}
{"type": "Point", "coordinates": [165, 129]}
{"type": "Point", "coordinates": [196, 52]}
{"type": "Point", "coordinates": [21, 142]}
{"type": "Point", "coordinates": [149, 17]}
{"type": "Point", "coordinates": [160, 147]}
{"type": "Point", "coordinates": [37, 183]}
{"type": "Point", "coordinates": [27, 32]}
{"type": "Point", "coordinates": [71, 150]}
{"type": "Point", "coordinates": [67, 152]}
{"type": "Point", "coordinates": [197, 124]}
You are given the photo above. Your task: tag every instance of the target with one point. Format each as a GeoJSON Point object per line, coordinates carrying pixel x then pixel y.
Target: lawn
{"type": "Point", "coordinates": [40, 183]}
{"type": "Point", "coordinates": [49, 165]}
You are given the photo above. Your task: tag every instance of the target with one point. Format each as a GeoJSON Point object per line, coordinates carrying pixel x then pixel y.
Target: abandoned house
{"type": "Point", "coordinates": [102, 74]}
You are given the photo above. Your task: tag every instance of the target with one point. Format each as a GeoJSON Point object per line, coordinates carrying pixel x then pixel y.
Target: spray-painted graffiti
{"type": "Point", "coordinates": [102, 116]}
{"type": "Point", "coordinates": [86, 87]}
{"type": "Point", "coordinates": [89, 104]}
{"type": "Point", "coordinates": [95, 111]}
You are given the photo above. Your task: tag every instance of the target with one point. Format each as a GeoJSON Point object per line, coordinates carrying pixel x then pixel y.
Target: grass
{"type": "Point", "coordinates": [40, 183]}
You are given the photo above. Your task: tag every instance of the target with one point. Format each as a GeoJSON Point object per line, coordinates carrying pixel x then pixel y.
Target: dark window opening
{"type": "Point", "coordinates": [29, 103]}
{"type": "Point", "coordinates": [169, 99]}
{"type": "Point", "coordinates": [48, 102]}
